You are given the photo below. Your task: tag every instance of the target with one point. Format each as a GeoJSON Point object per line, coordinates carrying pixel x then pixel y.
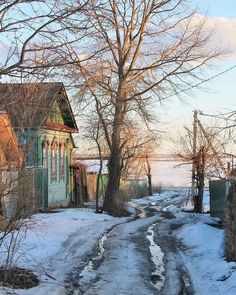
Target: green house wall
{"type": "Point", "coordinates": [59, 191]}
{"type": "Point", "coordinates": [32, 141]}
{"type": "Point", "coordinates": [56, 115]}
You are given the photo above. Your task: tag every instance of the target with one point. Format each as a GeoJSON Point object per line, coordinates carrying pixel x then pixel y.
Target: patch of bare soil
{"type": "Point", "coordinates": [18, 278]}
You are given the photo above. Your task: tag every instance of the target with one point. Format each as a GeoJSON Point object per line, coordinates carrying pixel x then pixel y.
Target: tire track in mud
{"type": "Point", "coordinates": [180, 283]}
{"type": "Point", "coordinates": [166, 239]}
{"type": "Point", "coordinates": [79, 281]}
{"type": "Point", "coordinates": [84, 277]}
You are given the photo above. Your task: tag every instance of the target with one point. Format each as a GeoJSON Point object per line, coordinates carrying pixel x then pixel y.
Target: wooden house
{"type": "Point", "coordinates": [11, 156]}
{"type": "Point", "coordinates": [43, 121]}
{"type": "Point", "coordinates": [11, 159]}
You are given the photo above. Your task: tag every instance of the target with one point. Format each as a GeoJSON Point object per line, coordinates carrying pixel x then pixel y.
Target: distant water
{"type": "Point", "coordinates": [169, 173]}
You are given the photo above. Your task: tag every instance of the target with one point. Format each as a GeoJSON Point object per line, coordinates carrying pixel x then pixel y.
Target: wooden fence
{"type": "Point", "coordinates": [23, 192]}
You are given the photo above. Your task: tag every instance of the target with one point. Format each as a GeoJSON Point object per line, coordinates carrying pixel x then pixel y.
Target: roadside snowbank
{"type": "Point", "coordinates": [204, 258]}
{"type": "Point", "coordinates": [56, 244]}
{"type": "Point", "coordinates": [61, 243]}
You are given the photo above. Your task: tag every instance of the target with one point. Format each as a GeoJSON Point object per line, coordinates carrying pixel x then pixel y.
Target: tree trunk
{"type": "Point", "coordinates": [149, 175]}
{"type": "Point", "coordinates": [113, 185]}
{"type": "Point", "coordinates": [199, 198]}
{"type": "Point", "coordinates": [200, 169]}
{"type": "Point", "coordinates": [114, 164]}
{"type": "Point", "coordinates": [98, 177]}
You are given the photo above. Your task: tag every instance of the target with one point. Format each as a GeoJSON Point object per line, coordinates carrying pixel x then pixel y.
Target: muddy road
{"type": "Point", "coordinates": [139, 257]}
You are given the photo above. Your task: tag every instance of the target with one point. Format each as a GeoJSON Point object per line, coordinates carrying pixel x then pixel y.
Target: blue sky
{"type": "Point", "coordinates": [219, 94]}
{"type": "Point", "coordinates": [226, 8]}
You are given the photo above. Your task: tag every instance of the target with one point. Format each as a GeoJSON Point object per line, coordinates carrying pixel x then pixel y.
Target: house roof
{"type": "Point", "coordinates": [93, 166]}
{"type": "Point", "coordinates": [59, 127]}
{"type": "Point", "coordinates": [8, 142]}
{"type": "Point", "coordinates": [30, 104]}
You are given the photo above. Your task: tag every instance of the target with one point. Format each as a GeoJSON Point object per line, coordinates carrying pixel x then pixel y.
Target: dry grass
{"type": "Point", "coordinates": [18, 278]}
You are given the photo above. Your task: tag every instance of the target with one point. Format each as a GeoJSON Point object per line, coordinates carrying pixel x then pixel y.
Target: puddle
{"type": "Point", "coordinates": [89, 274]}
{"type": "Point", "coordinates": [185, 284]}
{"type": "Point", "coordinates": [158, 275]}
{"type": "Point", "coordinates": [142, 213]}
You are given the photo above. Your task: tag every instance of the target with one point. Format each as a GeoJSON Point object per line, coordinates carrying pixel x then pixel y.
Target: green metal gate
{"type": "Point", "coordinates": [218, 194]}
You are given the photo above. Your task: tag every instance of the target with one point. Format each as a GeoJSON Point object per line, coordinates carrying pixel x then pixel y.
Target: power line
{"type": "Point", "coordinates": [220, 116]}
{"type": "Point", "coordinates": [202, 82]}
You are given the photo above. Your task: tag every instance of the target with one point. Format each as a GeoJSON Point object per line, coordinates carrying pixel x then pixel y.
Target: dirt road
{"type": "Point", "coordinates": [139, 257]}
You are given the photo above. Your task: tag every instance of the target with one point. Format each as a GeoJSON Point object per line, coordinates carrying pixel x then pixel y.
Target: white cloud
{"type": "Point", "coordinates": [224, 36]}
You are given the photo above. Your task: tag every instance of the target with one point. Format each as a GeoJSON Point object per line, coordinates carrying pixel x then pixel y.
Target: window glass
{"type": "Point", "coordinates": [62, 162]}
{"type": "Point", "coordinates": [54, 154]}
{"type": "Point", "coordinates": [45, 153]}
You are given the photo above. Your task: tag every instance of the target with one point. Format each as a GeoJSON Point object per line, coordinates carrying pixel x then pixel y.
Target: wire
{"type": "Point", "coordinates": [200, 83]}
{"type": "Point", "coordinates": [218, 116]}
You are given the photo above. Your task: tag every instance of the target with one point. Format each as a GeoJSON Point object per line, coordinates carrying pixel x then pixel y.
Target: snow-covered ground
{"type": "Point", "coordinates": [204, 258]}
{"type": "Point", "coordinates": [58, 244]}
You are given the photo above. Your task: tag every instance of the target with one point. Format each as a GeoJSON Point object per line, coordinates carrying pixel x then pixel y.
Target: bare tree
{"type": "Point", "coordinates": [146, 51]}
{"type": "Point", "coordinates": [138, 146]}
{"type": "Point", "coordinates": [206, 157]}
{"type": "Point", "coordinates": [32, 33]}
{"type": "Point", "coordinates": [139, 163]}
{"type": "Point", "coordinates": [30, 30]}
{"type": "Point", "coordinates": [94, 133]}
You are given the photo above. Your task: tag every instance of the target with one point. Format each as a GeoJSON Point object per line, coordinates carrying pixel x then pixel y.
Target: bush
{"type": "Point", "coordinates": [18, 278]}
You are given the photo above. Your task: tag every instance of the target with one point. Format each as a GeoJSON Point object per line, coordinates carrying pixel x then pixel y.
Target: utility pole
{"type": "Point", "coordinates": [194, 151]}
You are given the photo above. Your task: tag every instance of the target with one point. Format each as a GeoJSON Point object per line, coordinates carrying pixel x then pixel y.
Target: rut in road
{"type": "Point", "coordinates": [88, 281]}
{"type": "Point", "coordinates": [165, 237]}
{"type": "Point", "coordinates": [84, 277]}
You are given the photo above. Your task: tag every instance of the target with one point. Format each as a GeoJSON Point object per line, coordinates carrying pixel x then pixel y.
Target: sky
{"type": "Point", "coordinates": [218, 95]}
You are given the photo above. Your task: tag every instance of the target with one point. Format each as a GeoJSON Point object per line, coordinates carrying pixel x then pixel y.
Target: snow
{"type": "Point", "coordinates": [166, 194]}
{"type": "Point", "coordinates": [204, 258]}
{"type": "Point", "coordinates": [204, 243]}
{"type": "Point", "coordinates": [124, 270]}
{"type": "Point", "coordinates": [57, 244]}
{"type": "Point", "coordinates": [157, 258]}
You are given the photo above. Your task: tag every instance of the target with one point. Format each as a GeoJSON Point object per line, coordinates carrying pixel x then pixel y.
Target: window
{"type": "Point", "coordinates": [45, 153]}
{"type": "Point", "coordinates": [54, 152]}
{"type": "Point", "coordinates": [62, 162]}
